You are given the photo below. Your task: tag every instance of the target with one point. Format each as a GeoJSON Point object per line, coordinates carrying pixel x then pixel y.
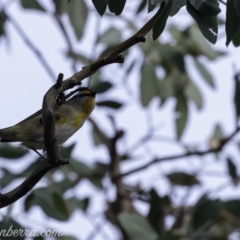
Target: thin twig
{"type": "Point", "coordinates": [184, 155]}
{"type": "Point", "coordinates": [68, 41]}
{"type": "Point", "coordinates": [221, 1]}
{"type": "Point", "coordinates": [30, 44]}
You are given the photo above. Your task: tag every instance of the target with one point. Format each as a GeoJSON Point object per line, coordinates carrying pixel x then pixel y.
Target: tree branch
{"type": "Point", "coordinates": [12, 196]}
{"type": "Point", "coordinates": [48, 109]}
{"type": "Point", "coordinates": [188, 154]}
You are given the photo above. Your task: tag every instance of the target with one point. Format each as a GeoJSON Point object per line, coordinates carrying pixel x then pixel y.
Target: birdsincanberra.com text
{"type": "Point", "coordinates": [24, 232]}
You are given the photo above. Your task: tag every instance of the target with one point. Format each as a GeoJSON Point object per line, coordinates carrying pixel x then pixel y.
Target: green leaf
{"type": "Point", "coordinates": [182, 179]}
{"type": "Point", "coordinates": [195, 95]}
{"type": "Point", "coordinates": [209, 8]}
{"type": "Point", "coordinates": [77, 13]}
{"type": "Point", "coordinates": [218, 133]}
{"type": "Point", "coordinates": [111, 37]}
{"type": "Point", "coordinates": [29, 202]}
{"type": "Point", "coordinates": [42, 197]}
{"type": "Point", "coordinates": [63, 185]}
{"type": "Point", "coordinates": [162, 20]}
{"type": "Point", "coordinates": [157, 208]}
{"type": "Point", "coordinates": [74, 203]}
{"type": "Point", "coordinates": [237, 97]}
{"type": "Point", "coordinates": [182, 109]}
{"type": "Point", "coordinates": [237, 6]}
{"type": "Point", "coordinates": [236, 39]}
{"type": "Point", "coordinates": [232, 22]}
{"type": "Point", "coordinates": [176, 6]}
{"type": "Point", "coordinates": [80, 168]}
{"type": "Point", "coordinates": [100, 6]}
{"type": "Point", "coordinates": [60, 204]}
{"type": "Point", "coordinates": [204, 72]}
{"type": "Point", "coordinates": [151, 6]}
{"type": "Point", "coordinates": [167, 87]}
{"type": "Point", "coordinates": [32, 4]}
{"type": "Point", "coordinates": [110, 104]}
{"type": "Point", "coordinates": [66, 152]}
{"type": "Point", "coordinates": [2, 24]}
{"type": "Point", "coordinates": [199, 46]}
{"type": "Point", "coordinates": [11, 152]}
{"type": "Point", "coordinates": [116, 6]}
{"type": "Point", "coordinates": [98, 140]}
{"type": "Point", "coordinates": [205, 211]}
{"type": "Point", "coordinates": [77, 57]}
{"type": "Point", "coordinates": [102, 87]}
{"type": "Point", "coordinates": [197, 3]}
{"type": "Point", "coordinates": [141, 6]}
{"type": "Point", "coordinates": [232, 170]}
{"type": "Point", "coordinates": [6, 177]}
{"type": "Point", "coordinates": [148, 83]}
{"type": "Point", "coordinates": [136, 226]}
{"type": "Point", "coordinates": [60, 6]}
{"type": "Point", "coordinates": [207, 25]}
{"type": "Point", "coordinates": [232, 206]}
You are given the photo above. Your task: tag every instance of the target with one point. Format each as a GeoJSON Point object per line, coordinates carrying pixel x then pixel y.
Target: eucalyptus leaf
{"type": "Point", "coordinates": [100, 6]}
{"type": "Point", "coordinates": [77, 13]}
{"type": "Point", "coordinates": [232, 170]}
{"type": "Point", "coordinates": [232, 22]}
{"type": "Point", "coordinates": [42, 197]}
{"type": "Point", "coordinates": [6, 177]}
{"type": "Point", "coordinates": [116, 6]}
{"type": "Point", "coordinates": [2, 25]}
{"type": "Point", "coordinates": [136, 226]}
{"type": "Point", "coordinates": [232, 206]}
{"type": "Point", "coordinates": [194, 93]}
{"type": "Point", "coordinates": [111, 37]}
{"type": "Point", "coordinates": [217, 133]}
{"type": "Point", "coordinates": [210, 8]}
{"type": "Point", "coordinates": [182, 179]}
{"type": "Point", "coordinates": [32, 5]}
{"type": "Point", "coordinates": [10, 152]}
{"type": "Point", "coordinates": [197, 3]}
{"type": "Point", "coordinates": [237, 6]}
{"type": "Point", "coordinates": [109, 104]}
{"type": "Point", "coordinates": [181, 121]}
{"type": "Point", "coordinates": [207, 25]}
{"type": "Point", "coordinates": [162, 20]}
{"type": "Point", "coordinates": [176, 6]}
{"type": "Point", "coordinates": [151, 6]}
{"type": "Point", "coordinates": [66, 152]}
{"type": "Point", "coordinates": [60, 204]}
{"type": "Point", "coordinates": [236, 39]}
{"type": "Point", "coordinates": [204, 72]}
{"type": "Point", "coordinates": [102, 87]}
{"type": "Point", "coordinates": [141, 6]}
{"type": "Point", "coordinates": [149, 83]}
{"type": "Point", "coordinates": [205, 210]}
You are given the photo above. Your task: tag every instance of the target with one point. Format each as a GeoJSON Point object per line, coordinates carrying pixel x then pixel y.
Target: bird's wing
{"type": "Point", "coordinates": [39, 112]}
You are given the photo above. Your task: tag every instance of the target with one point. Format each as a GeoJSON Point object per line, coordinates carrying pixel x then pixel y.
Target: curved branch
{"type": "Point", "coordinates": [188, 154]}
{"type": "Point", "coordinates": [48, 109]}
{"type": "Point", "coordinates": [12, 196]}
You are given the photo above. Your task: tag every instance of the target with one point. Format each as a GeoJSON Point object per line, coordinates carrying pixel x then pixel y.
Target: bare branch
{"type": "Point", "coordinates": [184, 155]}
{"type": "Point", "coordinates": [12, 196]}
{"type": "Point", "coordinates": [48, 115]}
{"type": "Point", "coordinates": [30, 44]}
{"type": "Point", "coordinates": [221, 1]}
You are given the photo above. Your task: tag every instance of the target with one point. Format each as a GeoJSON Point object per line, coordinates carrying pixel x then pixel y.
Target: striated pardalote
{"type": "Point", "coordinates": [69, 118]}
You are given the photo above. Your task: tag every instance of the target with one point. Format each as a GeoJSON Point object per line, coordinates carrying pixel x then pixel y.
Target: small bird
{"type": "Point", "coordinates": [69, 118]}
